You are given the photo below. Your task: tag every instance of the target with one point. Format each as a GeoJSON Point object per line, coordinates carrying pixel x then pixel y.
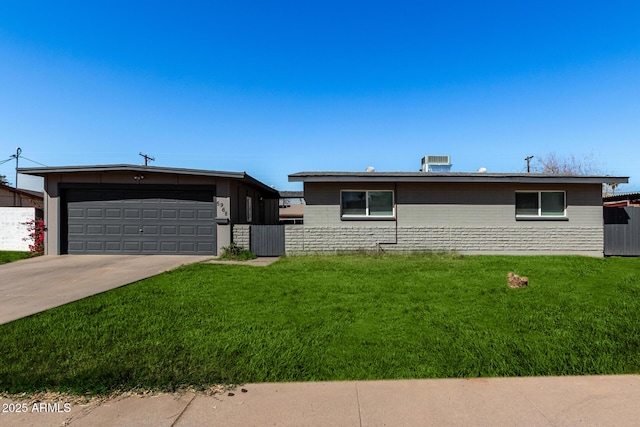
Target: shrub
{"type": "Point", "coordinates": [236, 252]}
{"type": "Point", "coordinates": [36, 236]}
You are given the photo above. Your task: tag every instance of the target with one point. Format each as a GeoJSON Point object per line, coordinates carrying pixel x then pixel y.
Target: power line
{"type": "Point", "coordinates": [33, 161]}
{"type": "Point", "coordinates": [5, 161]}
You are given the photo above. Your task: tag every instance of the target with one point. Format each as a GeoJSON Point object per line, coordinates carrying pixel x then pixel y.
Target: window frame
{"type": "Point", "coordinates": [539, 216]}
{"type": "Point", "coordinates": [367, 216]}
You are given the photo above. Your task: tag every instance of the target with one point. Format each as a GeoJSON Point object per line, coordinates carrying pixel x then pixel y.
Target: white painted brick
{"type": "Point", "coordinates": [13, 229]}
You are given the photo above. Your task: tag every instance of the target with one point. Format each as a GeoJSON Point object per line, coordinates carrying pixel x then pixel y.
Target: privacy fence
{"type": "Point", "coordinates": [622, 231]}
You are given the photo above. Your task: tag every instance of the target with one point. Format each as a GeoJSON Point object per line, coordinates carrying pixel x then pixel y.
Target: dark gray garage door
{"type": "Point", "coordinates": [140, 222]}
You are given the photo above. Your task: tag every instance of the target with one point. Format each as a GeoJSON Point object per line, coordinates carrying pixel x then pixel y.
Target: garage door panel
{"type": "Point", "coordinates": [140, 222]}
{"type": "Point", "coordinates": [131, 213]}
{"type": "Point", "coordinates": [76, 213]}
{"type": "Point", "coordinates": [131, 246]}
{"type": "Point", "coordinates": [95, 213]}
{"type": "Point", "coordinates": [187, 230]}
{"type": "Point", "coordinates": [131, 230]}
{"type": "Point", "coordinates": [169, 230]}
{"type": "Point", "coordinates": [113, 213]}
{"type": "Point", "coordinates": [113, 230]}
{"type": "Point", "coordinates": [94, 246]}
{"type": "Point", "coordinates": [169, 213]}
{"type": "Point", "coordinates": [150, 230]}
{"type": "Point", "coordinates": [76, 230]}
{"type": "Point", "coordinates": [113, 246]}
{"type": "Point", "coordinates": [169, 247]}
{"type": "Point", "coordinates": [95, 230]}
{"type": "Point", "coordinates": [187, 214]}
{"type": "Point", "coordinates": [205, 230]}
{"type": "Point", "coordinates": [150, 214]}
{"type": "Point", "coordinates": [206, 214]}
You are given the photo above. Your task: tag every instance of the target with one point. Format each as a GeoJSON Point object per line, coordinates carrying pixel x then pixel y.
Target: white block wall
{"type": "Point", "coordinates": [13, 228]}
{"type": "Point", "coordinates": [302, 239]}
{"type": "Point", "coordinates": [242, 235]}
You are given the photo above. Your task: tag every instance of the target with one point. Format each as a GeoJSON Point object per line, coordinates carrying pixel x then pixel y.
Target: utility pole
{"type": "Point", "coordinates": [147, 159]}
{"type": "Point", "coordinates": [17, 156]}
{"type": "Point", "coordinates": [528, 160]}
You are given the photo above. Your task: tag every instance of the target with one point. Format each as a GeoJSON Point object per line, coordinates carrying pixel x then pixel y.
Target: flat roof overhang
{"type": "Point", "coordinates": [243, 176]}
{"type": "Point", "coordinates": [457, 177]}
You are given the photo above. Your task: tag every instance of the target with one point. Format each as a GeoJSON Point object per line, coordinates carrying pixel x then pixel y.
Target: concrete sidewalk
{"type": "Point", "coordinates": [37, 284]}
{"type": "Point", "coordinates": [532, 401]}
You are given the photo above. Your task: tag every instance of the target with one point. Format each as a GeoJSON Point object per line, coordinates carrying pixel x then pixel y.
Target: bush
{"type": "Point", "coordinates": [236, 252]}
{"type": "Point", "coordinates": [36, 236]}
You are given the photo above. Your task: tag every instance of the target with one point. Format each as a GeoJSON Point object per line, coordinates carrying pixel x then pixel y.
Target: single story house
{"type": "Point", "coordinates": [476, 213]}
{"type": "Point", "coordinates": [19, 198]}
{"type": "Point", "coordinates": [291, 207]}
{"type": "Point", "coordinates": [620, 200]}
{"type": "Point", "coordinates": [128, 209]}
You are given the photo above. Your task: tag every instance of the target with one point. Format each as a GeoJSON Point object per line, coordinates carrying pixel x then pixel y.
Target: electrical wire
{"type": "Point", "coordinates": [33, 161]}
{"type": "Point", "coordinates": [8, 160]}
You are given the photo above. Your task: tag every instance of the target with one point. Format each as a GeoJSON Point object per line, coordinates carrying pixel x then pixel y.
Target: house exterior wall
{"type": "Point", "coordinates": [226, 202]}
{"type": "Point", "coordinates": [18, 199]}
{"type": "Point", "coordinates": [13, 228]}
{"type": "Point", "coordinates": [462, 217]}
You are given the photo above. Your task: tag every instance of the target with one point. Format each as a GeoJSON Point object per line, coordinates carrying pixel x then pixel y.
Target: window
{"type": "Point", "coordinates": [249, 209]}
{"type": "Point", "coordinates": [540, 204]}
{"type": "Point", "coordinates": [367, 204]}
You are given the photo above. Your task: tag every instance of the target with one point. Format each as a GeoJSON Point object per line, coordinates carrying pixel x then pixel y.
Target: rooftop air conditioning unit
{"type": "Point", "coordinates": [436, 164]}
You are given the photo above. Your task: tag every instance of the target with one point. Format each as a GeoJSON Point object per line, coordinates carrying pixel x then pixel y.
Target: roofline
{"type": "Point", "coordinates": [622, 196]}
{"type": "Point", "coordinates": [29, 193]}
{"type": "Point", "coordinates": [464, 177]}
{"type": "Point", "coordinates": [44, 171]}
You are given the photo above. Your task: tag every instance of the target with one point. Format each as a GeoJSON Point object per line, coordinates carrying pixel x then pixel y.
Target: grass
{"type": "Point", "coordinates": [10, 256]}
{"type": "Point", "coordinates": [335, 318]}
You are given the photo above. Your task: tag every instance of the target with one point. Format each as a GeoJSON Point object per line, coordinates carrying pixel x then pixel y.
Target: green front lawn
{"type": "Point", "coordinates": [10, 256]}
{"type": "Point", "coordinates": [335, 318]}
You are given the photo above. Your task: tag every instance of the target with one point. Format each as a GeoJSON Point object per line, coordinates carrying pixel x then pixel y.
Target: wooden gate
{"type": "Point", "coordinates": [267, 240]}
{"type": "Point", "coordinates": [622, 231]}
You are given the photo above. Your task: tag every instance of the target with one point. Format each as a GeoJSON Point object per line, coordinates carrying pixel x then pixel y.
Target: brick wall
{"type": "Point", "coordinates": [13, 230]}
{"type": "Point", "coordinates": [302, 239]}
{"type": "Point", "coordinates": [242, 235]}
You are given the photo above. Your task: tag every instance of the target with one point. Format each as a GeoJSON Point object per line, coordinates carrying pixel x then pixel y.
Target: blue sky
{"type": "Point", "coordinates": [273, 88]}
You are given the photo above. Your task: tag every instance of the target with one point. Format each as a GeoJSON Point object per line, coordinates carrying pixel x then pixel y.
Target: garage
{"type": "Point", "coordinates": [140, 222]}
{"type": "Point", "coordinates": [134, 209]}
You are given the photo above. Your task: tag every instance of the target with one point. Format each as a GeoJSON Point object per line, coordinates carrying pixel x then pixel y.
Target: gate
{"type": "Point", "coordinates": [267, 240]}
{"type": "Point", "coordinates": [622, 231]}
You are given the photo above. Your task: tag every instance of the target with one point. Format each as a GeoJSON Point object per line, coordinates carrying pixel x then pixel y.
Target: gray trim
{"type": "Point", "coordinates": [291, 194]}
{"type": "Point", "coordinates": [542, 218]}
{"type": "Point", "coordinates": [453, 177]}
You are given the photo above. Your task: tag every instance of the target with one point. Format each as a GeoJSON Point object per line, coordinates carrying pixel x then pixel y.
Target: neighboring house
{"type": "Point", "coordinates": [486, 213]}
{"type": "Point", "coordinates": [127, 209]}
{"type": "Point", "coordinates": [291, 207]}
{"type": "Point", "coordinates": [624, 199]}
{"type": "Point", "coordinates": [17, 208]}
{"type": "Point", "coordinates": [16, 197]}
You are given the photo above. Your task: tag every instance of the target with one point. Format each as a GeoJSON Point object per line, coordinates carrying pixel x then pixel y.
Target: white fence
{"type": "Point", "coordinates": [13, 229]}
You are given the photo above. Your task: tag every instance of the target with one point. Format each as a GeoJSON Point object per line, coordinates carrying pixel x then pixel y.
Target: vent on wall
{"type": "Point", "coordinates": [436, 164]}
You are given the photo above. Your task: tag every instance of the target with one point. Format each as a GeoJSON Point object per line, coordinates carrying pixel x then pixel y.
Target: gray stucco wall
{"type": "Point", "coordinates": [467, 218]}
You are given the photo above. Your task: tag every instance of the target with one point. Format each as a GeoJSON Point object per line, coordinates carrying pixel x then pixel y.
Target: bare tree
{"type": "Point", "coordinates": [551, 163]}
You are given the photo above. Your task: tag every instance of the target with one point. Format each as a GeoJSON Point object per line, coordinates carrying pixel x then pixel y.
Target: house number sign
{"type": "Point", "coordinates": [222, 208]}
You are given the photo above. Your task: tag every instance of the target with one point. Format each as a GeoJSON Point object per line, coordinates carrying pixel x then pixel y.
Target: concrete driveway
{"type": "Point", "coordinates": [37, 284]}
